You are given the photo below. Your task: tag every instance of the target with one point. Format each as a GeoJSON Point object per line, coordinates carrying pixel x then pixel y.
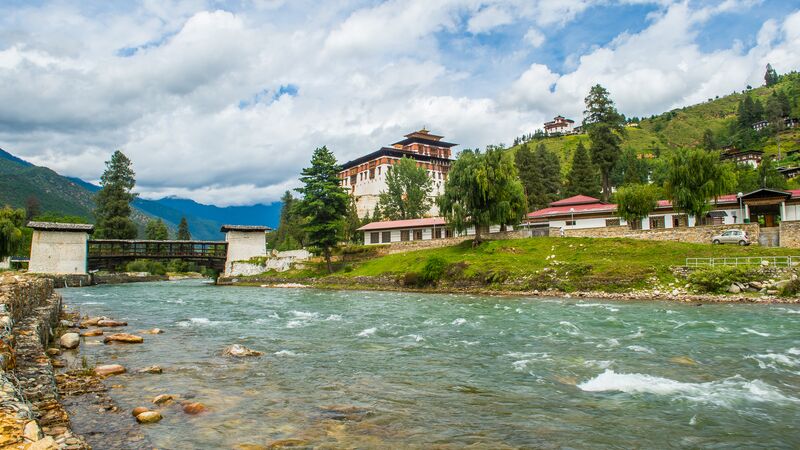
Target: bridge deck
{"type": "Point", "coordinates": [108, 253]}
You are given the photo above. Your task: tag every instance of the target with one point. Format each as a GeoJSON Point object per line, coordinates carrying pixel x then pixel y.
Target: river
{"type": "Point", "coordinates": [388, 369]}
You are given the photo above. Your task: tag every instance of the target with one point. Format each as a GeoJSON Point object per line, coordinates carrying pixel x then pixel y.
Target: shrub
{"type": "Point", "coordinates": [719, 279]}
{"type": "Point", "coordinates": [432, 271]}
{"type": "Point", "coordinates": [143, 265]}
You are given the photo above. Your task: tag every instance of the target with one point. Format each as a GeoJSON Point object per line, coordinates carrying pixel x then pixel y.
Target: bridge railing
{"type": "Point", "coordinates": [772, 261]}
{"type": "Point", "coordinates": [120, 248]}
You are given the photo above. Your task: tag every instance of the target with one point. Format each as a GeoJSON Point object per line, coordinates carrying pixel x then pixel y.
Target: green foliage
{"type": "Point", "coordinates": [351, 224]}
{"type": "Point", "coordinates": [433, 270]}
{"type": "Point", "coordinates": [144, 265]}
{"type": "Point", "coordinates": [583, 178]}
{"type": "Point", "coordinates": [636, 201]}
{"type": "Point", "coordinates": [11, 236]}
{"type": "Point", "coordinates": [290, 234]}
{"type": "Point", "coordinates": [32, 207]}
{"type": "Point", "coordinates": [540, 174]}
{"type": "Point", "coordinates": [694, 178]}
{"type": "Point", "coordinates": [766, 175]}
{"type": "Point", "coordinates": [770, 76]}
{"type": "Point", "coordinates": [718, 279]}
{"type": "Point", "coordinates": [114, 200]}
{"type": "Point", "coordinates": [605, 127]}
{"type": "Point", "coordinates": [324, 202]}
{"type": "Point", "coordinates": [183, 230]}
{"type": "Point", "coordinates": [155, 230]}
{"type": "Point", "coordinates": [408, 190]}
{"type": "Point", "coordinates": [181, 266]}
{"type": "Point", "coordinates": [483, 189]}
{"type": "Point", "coordinates": [630, 169]}
{"type": "Point", "coordinates": [51, 216]}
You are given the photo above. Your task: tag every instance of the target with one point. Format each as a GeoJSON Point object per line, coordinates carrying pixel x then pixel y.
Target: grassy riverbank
{"type": "Point", "coordinates": [545, 264]}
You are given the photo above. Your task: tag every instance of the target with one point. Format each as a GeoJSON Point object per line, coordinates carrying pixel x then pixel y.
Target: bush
{"type": "Point", "coordinates": [143, 265]}
{"type": "Point", "coordinates": [719, 279]}
{"type": "Point", "coordinates": [432, 271]}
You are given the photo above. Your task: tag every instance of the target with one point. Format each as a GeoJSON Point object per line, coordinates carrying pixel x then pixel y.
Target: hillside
{"type": "Point", "coordinates": [684, 127]}
{"type": "Point", "coordinates": [20, 179]}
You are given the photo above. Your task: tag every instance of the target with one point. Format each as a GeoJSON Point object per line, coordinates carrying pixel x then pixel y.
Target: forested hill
{"type": "Point", "coordinates": [60, 195]}
{"type": "Point", "coordinates": [658, 136]}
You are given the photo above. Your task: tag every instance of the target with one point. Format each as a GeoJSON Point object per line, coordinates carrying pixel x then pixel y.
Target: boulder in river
{"type": "Point", "coordinates": [111, 323]}
{"type": "Point", "coordinates": [124, 338]}
{"type": "Point", "coordinates": [194, 408]}
{"type": "Point", "coordinates": [109, 369]}
{"type": "Point", "coordinates": [238, 351]}
{"type": "Point", "coordinates": [92, 332]}
{"type": "Point", "coordinates": [163, 399]}
{"type": "Point", "coordinates": [149, 417]}
{"type": "Point", "coordinates": [138, 410]}
{"type": "Point", "coordinates": [151, 369]}
{"type": "Point", "coordinates": [152, 331]}
{"type": "Point", "coordinates": [70, 340]}
{"type": "Point", "coordinates": [92, 321]}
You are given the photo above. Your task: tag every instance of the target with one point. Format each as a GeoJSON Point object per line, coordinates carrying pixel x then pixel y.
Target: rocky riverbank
{"type": "Point", "coordinates": [767, 292]}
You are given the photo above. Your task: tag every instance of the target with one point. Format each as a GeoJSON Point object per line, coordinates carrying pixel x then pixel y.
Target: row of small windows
{"type": "Point", "coordinates": [370, 174]}
{"type": "Point", "coordinates": [385, 237]}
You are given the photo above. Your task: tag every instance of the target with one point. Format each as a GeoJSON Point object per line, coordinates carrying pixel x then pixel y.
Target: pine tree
{"type": "Point", "coordinates": [708, 140]}
{"type": "Point", "coordinates": [582, 178]}
{"type": "Point", "coordinates": [377, 215]}
{"type": "Point", "coordinates": [532, 184]}
{"type": "Point", "coordinates": [550, 173]}
{"type": "Point", "coordinates": [351, 223]}
{"type": "Point", "coordinates": [324, 202]}
{"type": "Point", "coordinates": [605, 127]}
{"type": "Point", "coordinates": [114, 200]}
{"type": "Point", "coordinates": [155, 230]}
{"type": "Point", "coordinates": [290, 234]}
{"type": "Point", "coordinates": [183, 230]}
{"type": "Point", "coordinates": [771, 76]}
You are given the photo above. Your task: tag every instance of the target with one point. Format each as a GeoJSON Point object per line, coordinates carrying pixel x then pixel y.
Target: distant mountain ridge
{"type": "Point", "coordinates": [19, 179]}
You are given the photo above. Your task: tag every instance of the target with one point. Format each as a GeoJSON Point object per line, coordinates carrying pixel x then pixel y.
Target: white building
{"type": "Point", "coordinates": [559, 125]}
{"type": "Point", "coordinates": [365, 177]}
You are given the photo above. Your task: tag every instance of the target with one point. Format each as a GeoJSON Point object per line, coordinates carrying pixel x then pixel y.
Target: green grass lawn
{"type": "Point", "coordinates": [547, 263]}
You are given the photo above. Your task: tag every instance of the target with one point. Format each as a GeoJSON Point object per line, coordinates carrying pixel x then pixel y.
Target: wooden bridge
{"type": "Point", "coordinates": [104, 254]}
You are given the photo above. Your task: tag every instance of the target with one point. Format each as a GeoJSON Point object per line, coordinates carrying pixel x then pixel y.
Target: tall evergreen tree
{"type": "Point", "coordinates": [32, 207]}
{"type": "Point", "coordinates": [324, 202]}
{"type": "Point", "coordinates": [114, 200]}
{"type": "Point", "coordinates": [155, 230]}
{"type": "Point", "coordinates": [528, 173]}
{"type": "Point", "coordinates": [408, 187]}
{"type": "Point", "coordinates": [351, 223]}
{"type": "Point", "coordinates": [540, 174]}
{"type": "Point", "coordinates": [708, 140]}
{"type": "Point", "coordinates": [290, 234]}
{"type": "Point", "coordinates": [11, 236]}
{"type": "Point", "coordinates": [583, 178]}
{"type": "Point", "coordinates": [775, 116]}
{"type": "Point", "coordinates": [483, 190]}
{"type": "Point", "coordinates": [770, 76]}
{"type": "Point", "coordinates": [183, 230]}
{"type": "Point", "coordinates": [377, 214]}
{"type": "Point", "coordinates": [605, 127]}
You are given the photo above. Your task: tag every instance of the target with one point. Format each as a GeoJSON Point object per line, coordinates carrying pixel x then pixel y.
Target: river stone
{"type": "Point", "coordinates": [93, 332]}
{"type": "Point", "coordinates": [194, 408]}
{"type": "Point", "coordinates": [152, 331]}
{"type": "Point", "coordinates": [66, 323]}
{"type": "Point", "coordinates": [138, 410]}
{"type": "Point", "coordinates": [124, 338]}
{"type": "Point", "coordinates": [70, 340]}
{"type": "Point", "coordinates": [32, 432]}
{"type": "Point", "coordinates": [685, 360]}
{"type": "Point", "coordinates": [734, 289]}
{"type": "Point", "coordinates": [53, 351]}
{"type": "Point", "coordinates": [109, 369]}
{"type": "Point", "coordinates": [149, 417]}
{"type": "Point", "coordinates": [239, 351]}
{"type": "Point", "coordinates": [151, 369]}
{"type": "Point", "coordinates": [92, 321]}
{"type": "Point", "coordinates": [111, 323]}
{"type": "Point", "coordinates": [163, 398]}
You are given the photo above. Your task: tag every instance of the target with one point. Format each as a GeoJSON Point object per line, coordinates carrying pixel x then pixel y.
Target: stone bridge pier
{"type": "Point", "coordinates": [244, 242]}
{"type": "Point", "coordinates": [59, 248]}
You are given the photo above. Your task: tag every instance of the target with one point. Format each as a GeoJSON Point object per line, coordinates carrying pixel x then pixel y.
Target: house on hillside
{"type": "Point", "coordinates": [559, 125]}
{"type": "Point", "coordinates": [749, 157]}
{"type": "Point", "coordinates": [365, 177]}
{"type": "Point", "coordinates": [760, 125]}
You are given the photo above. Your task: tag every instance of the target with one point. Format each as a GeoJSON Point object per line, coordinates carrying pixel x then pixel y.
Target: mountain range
{"type": "Point", "coordinates": [19, 180]}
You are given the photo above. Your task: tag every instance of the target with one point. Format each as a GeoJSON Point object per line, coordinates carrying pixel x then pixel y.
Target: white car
{"type": "Point", "coordinates": [731, 237]}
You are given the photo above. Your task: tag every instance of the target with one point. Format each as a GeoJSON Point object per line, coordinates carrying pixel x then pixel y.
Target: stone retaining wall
{"type": "Point", "coordinates": [790, 233]}
{"type": "Point", "coordinates": [699, 235]}
{"type": "Point", "coordinates": [29, 407]}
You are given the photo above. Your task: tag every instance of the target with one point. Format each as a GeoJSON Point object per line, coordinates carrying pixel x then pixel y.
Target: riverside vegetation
{"type": "Point", "coordinates": [551, 265]}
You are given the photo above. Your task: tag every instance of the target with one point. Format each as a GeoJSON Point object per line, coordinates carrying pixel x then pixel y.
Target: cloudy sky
{"type": "Point", "coordinates": [224, 102]}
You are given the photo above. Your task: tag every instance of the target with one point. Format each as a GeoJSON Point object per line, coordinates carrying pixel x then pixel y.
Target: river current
{"type": "Point", "coordinates": [388, 369]}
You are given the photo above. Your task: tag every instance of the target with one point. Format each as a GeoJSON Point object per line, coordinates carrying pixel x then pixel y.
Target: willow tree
{"type": "Point", "coordinates": [114, 199]}
{"type": "Point", "coordinates": [636, 201]}
{"type": "Point", "coordinates": [408, 190]}
{"type": "Point", "coordinates": [324, 202]}
{"type": "Point", "coordinates": [11, 235]}
{"type": "Point", "coordinates": [483, 189]}
{"type": "Point", "coordinates": [694, 178]}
